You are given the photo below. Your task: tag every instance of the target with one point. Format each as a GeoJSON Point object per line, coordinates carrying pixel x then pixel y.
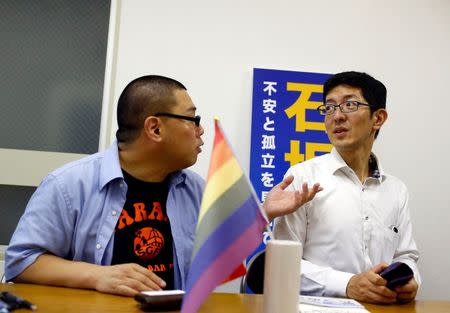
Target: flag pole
{"type": "Point", "coordinates": [269, 231]}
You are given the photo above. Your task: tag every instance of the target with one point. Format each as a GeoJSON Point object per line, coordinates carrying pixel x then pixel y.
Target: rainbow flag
{"type": "Point", "coordinates": [229, 227]}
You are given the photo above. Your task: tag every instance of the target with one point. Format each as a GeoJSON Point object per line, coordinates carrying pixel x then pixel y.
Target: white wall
{"type": "Point", "coordinates": [213, 46]}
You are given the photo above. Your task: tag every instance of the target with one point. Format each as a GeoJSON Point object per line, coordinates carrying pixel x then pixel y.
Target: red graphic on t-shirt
{"type": "Point", "coordinates": [140, 214]}
{"type": "Point", "coordinates": [148, 243]}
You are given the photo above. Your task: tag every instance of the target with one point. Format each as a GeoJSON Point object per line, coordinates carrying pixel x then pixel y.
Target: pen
{"type": "Point", "coordinates": [16, 302]}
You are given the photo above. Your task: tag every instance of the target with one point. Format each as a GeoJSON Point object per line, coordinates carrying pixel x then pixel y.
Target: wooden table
{"type": "Point", "coordinates": [57, 299]}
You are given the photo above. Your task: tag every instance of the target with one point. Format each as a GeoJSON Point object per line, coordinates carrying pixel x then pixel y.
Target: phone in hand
{"type": "Point", "coordinates": [397, 274]}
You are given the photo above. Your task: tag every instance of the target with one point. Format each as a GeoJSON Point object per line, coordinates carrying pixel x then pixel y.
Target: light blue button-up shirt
{"type": "Point", "coordinates": [74, 211]}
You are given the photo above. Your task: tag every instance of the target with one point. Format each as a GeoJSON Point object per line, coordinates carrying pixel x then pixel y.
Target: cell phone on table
{"type": "Point", "coordinates": [397, 274]}
{"type": "Point", "coordinates": [165, 300]}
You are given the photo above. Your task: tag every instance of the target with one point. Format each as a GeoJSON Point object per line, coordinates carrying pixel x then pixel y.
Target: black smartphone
{"type": "Point", "coordinates": [397, 274]}
{"type": "Point", "coordinates": [169, 300]}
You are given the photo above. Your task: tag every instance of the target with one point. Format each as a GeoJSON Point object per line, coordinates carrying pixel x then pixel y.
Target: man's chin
{"type": "Point", "coordinates": [343, 146]}
{"type": "Point", "coordinates": [189, 163]}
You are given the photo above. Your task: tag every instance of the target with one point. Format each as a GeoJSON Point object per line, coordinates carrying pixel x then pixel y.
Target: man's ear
{"type": "Point", "coordinates": [152, 128]}
{"type": "Point", "coordinates": [379, 117]}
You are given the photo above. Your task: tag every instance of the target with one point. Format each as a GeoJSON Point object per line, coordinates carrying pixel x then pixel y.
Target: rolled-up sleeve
{"type": "Point", "coordinates": [46, 227]}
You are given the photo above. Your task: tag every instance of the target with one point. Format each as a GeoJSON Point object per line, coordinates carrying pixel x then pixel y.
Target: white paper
{"type": "Point", "coordinates": [308, 308]}
{"type": "Point", "coordinates": [331, 302]}
{"type": "Point", "coordinates": [309, 304]}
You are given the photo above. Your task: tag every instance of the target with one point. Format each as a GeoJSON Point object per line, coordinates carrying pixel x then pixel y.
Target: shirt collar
{"type": "Point", "coordinates": [110, 166]}
{"type": "Point", "coordinates": [337, 163]}
{"type": "Point", "coordinates": [177, 178]}
{"type": "Point", "coordinates": [376, 170]}
{"type": "Point", "coordinates": [111, 170]}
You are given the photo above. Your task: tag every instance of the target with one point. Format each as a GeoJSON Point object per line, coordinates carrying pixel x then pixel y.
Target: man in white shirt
{"type": "Point", "coordinates": [360, 222]}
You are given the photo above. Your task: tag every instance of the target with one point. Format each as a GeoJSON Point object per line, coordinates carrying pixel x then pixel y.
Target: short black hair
{"type": "Point", "coordinates": [142, 97]}
{"type": "Point", "coordinates": [372, 89]}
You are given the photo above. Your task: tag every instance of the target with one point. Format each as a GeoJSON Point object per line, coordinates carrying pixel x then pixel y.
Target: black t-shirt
{"type": "Point", "coordinates": [143, 233]}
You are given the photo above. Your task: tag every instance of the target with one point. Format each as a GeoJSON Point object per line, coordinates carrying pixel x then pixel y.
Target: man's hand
{"type": "Point", "coordinates": [126, 279]}
{"type": "Point", "coordinates": [281, 202]}
{"type": "Point", "coordinates": [371, 287]}
{"type": "Point", "coordinates": [407, 293]}
{"type": "Point", "coordinates": [122, 279]}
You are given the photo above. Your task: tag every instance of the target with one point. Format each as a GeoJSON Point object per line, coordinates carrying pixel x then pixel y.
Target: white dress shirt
{"type": "Point", "coordinates": [349, 227]}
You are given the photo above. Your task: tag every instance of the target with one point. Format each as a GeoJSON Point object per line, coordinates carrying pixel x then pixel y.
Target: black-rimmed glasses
{"type": "Point", "coordinates": [345, 107]}
{"type": "Point", "coordinates": [195, 119]}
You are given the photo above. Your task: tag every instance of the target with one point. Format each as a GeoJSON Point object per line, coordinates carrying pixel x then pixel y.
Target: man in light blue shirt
{"type": "Point", "coordinates": [69, 224]}
{"type": "Point", "coordinates": [120, 220]}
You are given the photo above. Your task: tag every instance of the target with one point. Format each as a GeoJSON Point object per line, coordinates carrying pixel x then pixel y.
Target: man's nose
{"type": "Point", "coordinates": [338, 115]}
{"type": "Point", "coordinates": [200, 130]}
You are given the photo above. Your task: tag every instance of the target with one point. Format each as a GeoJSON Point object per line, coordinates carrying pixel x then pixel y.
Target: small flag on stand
{"type": "Point", "coordinates": [229, 227]}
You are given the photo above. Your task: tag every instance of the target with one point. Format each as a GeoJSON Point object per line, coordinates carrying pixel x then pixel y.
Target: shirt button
{"type": "Point", "coordinates": [121, 185]}
{"type": "Point", "coordinates": [114, 213]}
{"type": "Point", "coordinates": [98, 246]}
{"type": "Point", "coordinates": [366, 218]}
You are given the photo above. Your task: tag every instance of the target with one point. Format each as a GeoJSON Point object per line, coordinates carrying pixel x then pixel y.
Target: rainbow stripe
{"type": "Point", "coordinates": [229, 227]}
